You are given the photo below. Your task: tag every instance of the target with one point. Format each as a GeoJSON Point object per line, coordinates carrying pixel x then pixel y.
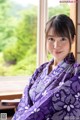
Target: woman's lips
{"type": "Point", "coordinates": [58, 52]}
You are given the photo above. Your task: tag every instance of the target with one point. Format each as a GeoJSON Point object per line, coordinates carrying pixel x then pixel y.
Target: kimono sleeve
{"type": "Point", "coordinates": [25, 102]}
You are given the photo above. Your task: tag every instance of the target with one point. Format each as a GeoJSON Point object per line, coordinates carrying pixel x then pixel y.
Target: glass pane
{"type": "Point", "coordinates": [18, 31]}
{"type": "Point", "coordinates": [55, 8]}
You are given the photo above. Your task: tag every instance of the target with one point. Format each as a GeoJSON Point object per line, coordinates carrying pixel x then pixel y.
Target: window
{"type": "Point", "coordinates": [18, 44]}
{"type": "Point", "coordinates": [22, 39]}
{"type": "Point", "coordinates": [18, 37]}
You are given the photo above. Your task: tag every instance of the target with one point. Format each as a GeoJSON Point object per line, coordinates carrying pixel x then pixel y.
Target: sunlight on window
{"type": "Point", "coordinates": [26, 2]}
{"type": "Point", "coordinates": [52, 3]}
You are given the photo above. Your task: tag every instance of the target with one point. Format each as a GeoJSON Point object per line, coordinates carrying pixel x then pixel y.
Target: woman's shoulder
{"type": "Point", "coordinates": [76, 64]}
{"type": "Point", "coordinates": [38, 71]}
{"type": "Point", "coordinates": [77, 68]}
{"type": "Point", "coordinates": [41, 67]}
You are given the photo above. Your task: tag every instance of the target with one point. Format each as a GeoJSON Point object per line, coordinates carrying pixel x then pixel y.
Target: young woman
{"type": "Point", "coordinates": [54, 89]}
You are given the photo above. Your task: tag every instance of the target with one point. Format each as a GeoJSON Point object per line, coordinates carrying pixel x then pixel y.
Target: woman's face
{"type": "Point", "coordinates": [59, 47]}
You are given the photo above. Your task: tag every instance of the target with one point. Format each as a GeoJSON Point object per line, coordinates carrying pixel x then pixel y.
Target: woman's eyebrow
{"type": "Point", "coordinates": [50, 36]}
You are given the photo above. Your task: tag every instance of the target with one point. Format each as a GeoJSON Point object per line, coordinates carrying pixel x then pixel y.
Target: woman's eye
{"type": "Point", "coordinates": [63, 39]}
{"type": "Point", "coordinates": [51, 39]}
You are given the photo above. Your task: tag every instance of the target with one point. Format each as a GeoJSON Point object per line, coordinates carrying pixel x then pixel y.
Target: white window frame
{"type": "Point", "coordinates": [42, 18]}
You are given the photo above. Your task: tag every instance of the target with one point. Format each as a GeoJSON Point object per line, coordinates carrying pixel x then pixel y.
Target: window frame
{"type": "Point", "coordinates": [74, 17]}
{"type": "Point", "coordinates": [42, 18]}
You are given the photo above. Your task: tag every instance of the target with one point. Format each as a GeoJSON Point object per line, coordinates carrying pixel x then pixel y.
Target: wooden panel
{"type": "Point", "coordinates": [78, 39]}
{"type": "Point", "coordinates": [78, 58]}
{"type": "Point", "coordinates": [78, 12]}
{"type": "Point", "coordinates": [73, 15]}
{"type": "Point", "coordinates": [10, 96]}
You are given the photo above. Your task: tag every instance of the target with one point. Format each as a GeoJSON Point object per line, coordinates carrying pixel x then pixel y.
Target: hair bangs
{"type": "Point", "coordinates": [60, 30]}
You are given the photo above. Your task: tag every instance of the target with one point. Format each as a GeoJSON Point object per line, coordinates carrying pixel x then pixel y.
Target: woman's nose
{"type": "Point", "coordinates": [56, 44]}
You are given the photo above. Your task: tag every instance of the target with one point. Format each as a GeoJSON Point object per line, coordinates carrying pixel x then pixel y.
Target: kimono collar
{"type": "Point", "coordinates": [69, 59]}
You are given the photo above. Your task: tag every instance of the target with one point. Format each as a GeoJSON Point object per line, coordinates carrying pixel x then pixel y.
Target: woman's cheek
{"type": "Point", "coordinates": [50, 49]}
{"type": "Point", "coordinates": [48, 46]}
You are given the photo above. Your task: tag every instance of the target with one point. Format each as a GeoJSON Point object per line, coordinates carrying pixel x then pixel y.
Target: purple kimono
{"type": "Point", "coordinates": [53, 96]}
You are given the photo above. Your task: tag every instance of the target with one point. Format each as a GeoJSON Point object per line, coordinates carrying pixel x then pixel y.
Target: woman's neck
{"type": "Point", "coordinates": [55, 63]}
{"type": "Point", "coordinates": [53, 66]}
